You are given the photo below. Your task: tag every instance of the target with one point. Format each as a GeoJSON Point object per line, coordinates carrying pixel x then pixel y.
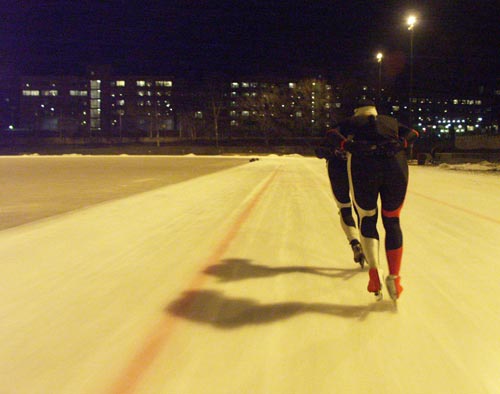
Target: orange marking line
{"type": "Point", "coordinates": [159, 336]}
{"type": "Point", "coordinates": [470, 212]}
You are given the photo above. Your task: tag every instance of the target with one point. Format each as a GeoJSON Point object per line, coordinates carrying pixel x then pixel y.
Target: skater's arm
{"type": "Point", "coordinates": [331, 144]}
{"type": "Point", "coordinates": [408, 134]}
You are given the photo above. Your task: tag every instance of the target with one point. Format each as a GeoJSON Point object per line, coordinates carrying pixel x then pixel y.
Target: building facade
{"type": "Point", "coordinates": [98, 105]}
{"type": "Point", "coordinates": [102, 104]}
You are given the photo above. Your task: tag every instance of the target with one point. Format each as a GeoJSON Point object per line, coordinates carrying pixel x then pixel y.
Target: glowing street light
{"type": "Point", "coordinates": [411, 21]}
{"type": "Point", "coordinates": [379, 60]}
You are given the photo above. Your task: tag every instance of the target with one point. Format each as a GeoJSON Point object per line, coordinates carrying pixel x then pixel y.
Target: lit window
{"type": "Point", "coordinates": [245, 113]}
{"type": "Point", "coordinates": [121, 103]}
{"type": "Point", "coordinates": [120, 83]}
{"type": "Point", "coordinates": [164, 83]}
{"type": "Point", "coordinates": [31, 93]}
{"type": "Point", "coordinates": [198, 115]}
{"type": "Point", "coordinates": [235, 85]}
{"type": "Point", "coordinates": [95, 124]}
{"type": "Point", "coordinates": [141, 83]}
{"type": "Point", "coordinates": [292, 85]}
{"type": "Point", "coordinates": [49, 93]}
{"type": "Point", "coordinates": [245, 84]}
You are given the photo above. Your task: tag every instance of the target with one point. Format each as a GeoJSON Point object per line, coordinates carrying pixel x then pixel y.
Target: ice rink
{"type": "Point", "coordinates": [241, 281]}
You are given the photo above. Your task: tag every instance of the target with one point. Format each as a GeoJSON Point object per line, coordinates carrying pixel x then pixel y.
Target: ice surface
{"type": "Point", "coordinates": [241, 281]}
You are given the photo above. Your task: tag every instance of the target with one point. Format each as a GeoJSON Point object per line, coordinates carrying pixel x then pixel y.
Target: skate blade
{"type": "Point", "coordinates": [391, 289]}
{"type": "Point", "coordinates": [361, 261]}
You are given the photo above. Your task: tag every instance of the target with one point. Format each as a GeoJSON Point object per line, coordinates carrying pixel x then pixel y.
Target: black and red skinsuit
{"type": "Point", "coordinates": [377, 166]}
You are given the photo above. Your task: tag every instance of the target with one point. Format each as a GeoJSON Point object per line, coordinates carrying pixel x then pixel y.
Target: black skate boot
{"type": "Point", "coordinates": [359, 257]}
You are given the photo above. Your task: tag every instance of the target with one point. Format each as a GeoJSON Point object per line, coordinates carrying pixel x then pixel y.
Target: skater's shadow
{"type": "Point", "coordinates": [212, 307]}
{"type": "Point", "coordinates": [239, 269]}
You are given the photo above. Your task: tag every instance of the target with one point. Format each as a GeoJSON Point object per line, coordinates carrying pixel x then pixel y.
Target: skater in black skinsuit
{"type": "Point", "coordinates": [377, 167]}
{"type": "Point", "coordinates": [336, 161]}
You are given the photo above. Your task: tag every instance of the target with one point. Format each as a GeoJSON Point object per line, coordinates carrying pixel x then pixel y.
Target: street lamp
{"type": "Point", "coordinates": [411, 21]}
{"type": "Point", "coordinates": [379, 60]}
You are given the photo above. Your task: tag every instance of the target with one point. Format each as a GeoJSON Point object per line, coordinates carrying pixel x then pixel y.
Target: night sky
{"type": "Point", "coordinates": [456, 42]}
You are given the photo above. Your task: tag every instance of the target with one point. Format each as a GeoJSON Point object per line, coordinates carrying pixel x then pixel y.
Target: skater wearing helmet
{"type": "Point", "coordinates": [377, 167]}
{"type": "Point", "coordinates": [336, 162]}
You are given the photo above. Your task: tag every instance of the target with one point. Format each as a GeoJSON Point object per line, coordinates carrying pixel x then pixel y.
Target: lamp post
{"type": "Point", "coordinates": [379, 60]}
{"type": "Point", "coordinates": [411, 21]}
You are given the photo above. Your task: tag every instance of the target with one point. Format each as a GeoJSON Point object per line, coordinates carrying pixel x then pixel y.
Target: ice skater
{"type": "Point", "coordinates": [336, 162]}
{"type": "Point", "coordinates": [377, 167]}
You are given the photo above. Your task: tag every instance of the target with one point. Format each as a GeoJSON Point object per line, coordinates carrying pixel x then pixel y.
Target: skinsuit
{"type": "Point", "coordinates": [377, 167]}
{"type": "Point", "coordinates": [336, 161]}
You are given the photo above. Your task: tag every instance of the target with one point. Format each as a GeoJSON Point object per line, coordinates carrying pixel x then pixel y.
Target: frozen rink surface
{"type": "Point", "coordinates": [241, 281]}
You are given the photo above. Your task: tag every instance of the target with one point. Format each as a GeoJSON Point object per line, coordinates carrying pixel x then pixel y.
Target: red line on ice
{"type": "Point", "coordinates": [470, 212]}
{"type": "Point", "coordinates": [158, 337]}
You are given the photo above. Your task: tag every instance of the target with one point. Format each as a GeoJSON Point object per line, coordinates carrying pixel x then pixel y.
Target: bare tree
{"type": "Point", "coordinates": [303, 108]}
{"type": "Point", "coordinates": [268, 109]}
{"type": "Point", "coordinates": [216, 91]}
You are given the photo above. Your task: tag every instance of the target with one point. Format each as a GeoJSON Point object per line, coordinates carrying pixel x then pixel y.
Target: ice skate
{"type": "Point", "coordinates": [375, 284]}
{"type": "Point", "coordinates": [359, 257]}
{"type": "Point", "coordinates": [394, 287]}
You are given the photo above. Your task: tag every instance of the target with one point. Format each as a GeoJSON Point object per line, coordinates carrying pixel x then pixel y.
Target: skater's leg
{"type": "Point", "coordinates": [365, 195]}
{"type": "Point", "coordinates": [364, 186]}
{"type": "Point", "coordinates": [392, 194]}
{"type": "Point", "coordinates": [393, 241]}
{"type": "Point", "coordinates": [337, 173]}
{"type": "Point", "coordinates": [394, 252]}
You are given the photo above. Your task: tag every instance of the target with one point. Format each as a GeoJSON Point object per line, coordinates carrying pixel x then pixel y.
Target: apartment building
{"type": "Point", "coordinates": [108, 105]}
{"type": "Point", "coordinates": [99, 104]}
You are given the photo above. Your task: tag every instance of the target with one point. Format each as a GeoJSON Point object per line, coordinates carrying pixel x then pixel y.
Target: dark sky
{"type": "Point", "coordinates": [459, 37]}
